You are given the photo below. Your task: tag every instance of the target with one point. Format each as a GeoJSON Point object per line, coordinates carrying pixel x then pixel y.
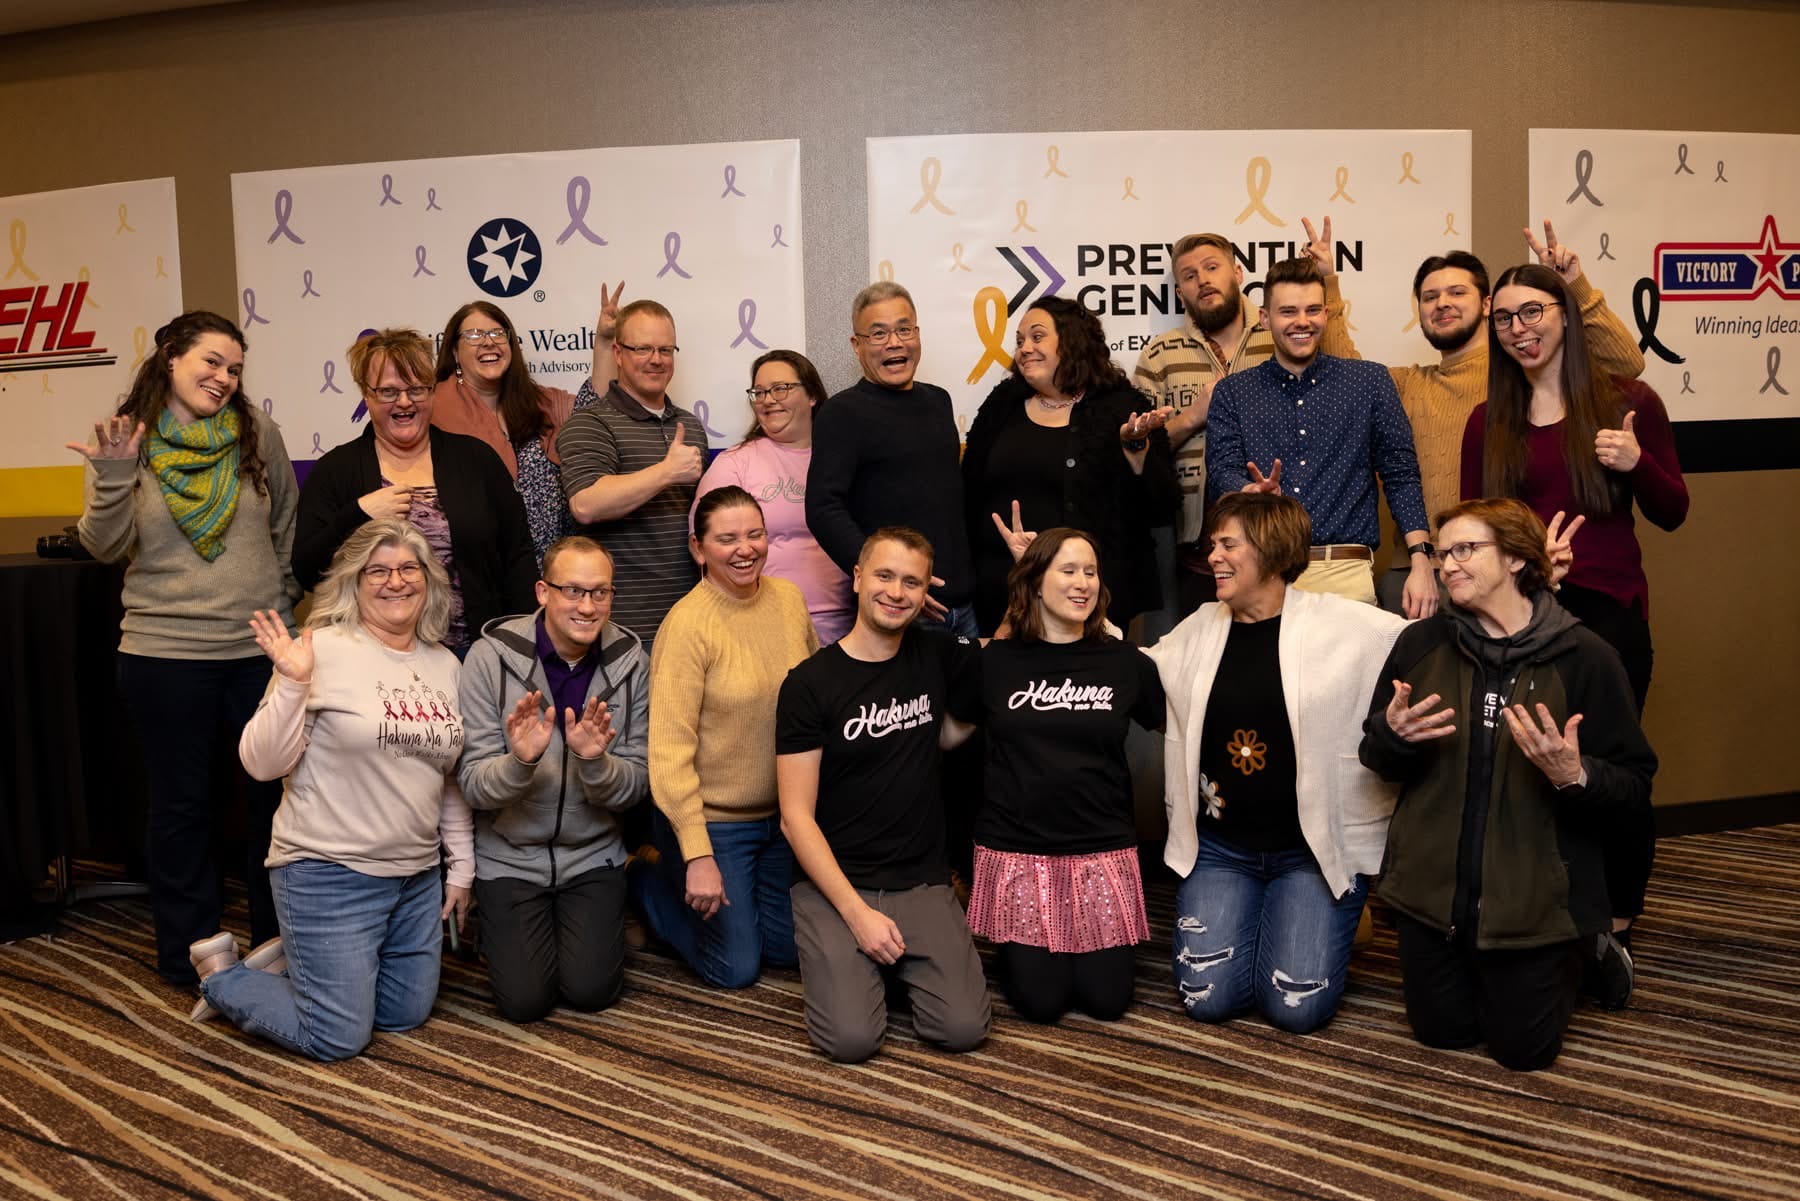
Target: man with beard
{"type": "Point", "coordinates": [857, 764]}
{"type": "Point", "coordinates": [1335, 425]}
{"type": "Point", "coordinates": [1451, 291]}
{"type": "Point", "coordinates": [1179, 368]}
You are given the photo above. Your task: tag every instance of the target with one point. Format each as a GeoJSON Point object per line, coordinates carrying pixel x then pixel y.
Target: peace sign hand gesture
{"type": "Point", "coordinates": [607, 324]}
{"type": "Point", "coordinates": [1018, 537]}
{"type": "Point", "coordinates": [1261, 483]}
{"type": "Point", "coordinates": [1318, 246]}
{"type": "Point", "coordinates": [1553, 254]}
{"type": "Point", "coordinates": [1559, 544]}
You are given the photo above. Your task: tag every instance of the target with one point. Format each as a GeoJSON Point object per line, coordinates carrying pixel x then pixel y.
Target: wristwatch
{"type": "Point", "coordinates": [1421, 548]}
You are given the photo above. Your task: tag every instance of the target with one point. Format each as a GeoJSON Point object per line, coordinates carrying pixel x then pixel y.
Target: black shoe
{"type": "Point", "coordinates": [1610, 972]}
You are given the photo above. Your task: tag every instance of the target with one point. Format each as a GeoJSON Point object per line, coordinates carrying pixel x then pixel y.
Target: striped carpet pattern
{"type": "Point", "coordinates": [106, 1091]}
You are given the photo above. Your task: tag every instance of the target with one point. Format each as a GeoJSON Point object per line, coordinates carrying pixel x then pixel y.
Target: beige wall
{"type": "Point", "coordinates": [257, 86]}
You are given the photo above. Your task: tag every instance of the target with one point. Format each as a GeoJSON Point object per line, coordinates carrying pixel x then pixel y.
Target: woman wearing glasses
{"type": "Point", "coordinates": [770, 464]}
{"type": "Point", "coordinates": [719, 893]}
{"type": "Point", "coordinates": [1513, 735]}
{"type": "Point", "coordinates": [484, 390]}
{"type": "Point", "coordinates": [452, 487]}
{"type": "Point", "coordinates": [1048, 439]}
{"type": "Point", "coordinates": [1562, 435]}
{"type": "Point", "coordinates": [361, 719]}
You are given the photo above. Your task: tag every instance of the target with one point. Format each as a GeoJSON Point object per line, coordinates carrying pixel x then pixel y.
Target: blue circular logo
{"type": "Point", "coordinates": [505, 257]}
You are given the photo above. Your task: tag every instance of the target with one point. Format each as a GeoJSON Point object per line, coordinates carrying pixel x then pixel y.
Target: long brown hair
{"type": "Point", "coordinates": [521, 401]}
{"type": "Point", "coordinates": [810, 383]}
{"type": "Point", "coordinates": [1591, 403]}
{"type": "Point", "coordinates": [150, 387]}
{"type": "Point", "coordinates": [1023, 614]}
{"type": "Point", "coordinates": [1083, 362]}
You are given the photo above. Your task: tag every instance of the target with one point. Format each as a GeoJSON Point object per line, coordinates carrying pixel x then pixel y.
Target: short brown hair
{"type": "Point", "coordinates": [1194, 242]}
{"type": "Point", "coordinates": [1517, 532]}
{"type": "Point", "coordinates": [1292, 271]}
{"type": "Point", "coordinates": [1275, 526]}
{"type": "Point", "coordinates": [578, 544]}
{"type": "Point", "coordinates": [1027, 575]}
{"type": "Point", "coordinates": [642, 308]}
{"type": "Point", "coordinates": [905, 535]}
{"type": "Point", "coordinates": [406, 349]}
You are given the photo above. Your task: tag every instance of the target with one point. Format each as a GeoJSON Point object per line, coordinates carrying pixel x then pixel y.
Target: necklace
{"type": "Point", "coordinates": [402, 657]}
{"type": "Point", "coordinates": [1056, 405]}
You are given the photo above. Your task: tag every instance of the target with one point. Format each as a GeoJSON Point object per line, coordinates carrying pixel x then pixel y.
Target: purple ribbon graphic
{"type": "Point", "coordinates": [703, 411]}
{"type": "Point", "coordinates": [269, 405]}
{"type": "Point", "coordinates": [387, 192]}
{"type": "Point", "coordinates": [731, 188]}
{"type": "Point", "coordinates": [284, 208]}
{"type": "Point", "coordinates": [317, 449]}
{"type": "Point", "coordinates": [330, 384]}
{"type": "Point", "coordinates": [251, 316]}
{"type": "Point", "coordinates": [747, 319]}
{"type": "Point", "coordinates": [777, 241]}
{"type": "Point", "coordinates": [671, 248]}
{"type": "Point", "coordinates": [419, 258]}
{"type": "Point", "coordinates": [576, 199]}
{"type": "Point", "coordinates": [306, 279]}
{"type": "Point", "coordinates": [431, 200]}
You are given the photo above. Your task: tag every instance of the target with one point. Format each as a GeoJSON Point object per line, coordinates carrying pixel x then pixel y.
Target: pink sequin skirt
{"type": "Point", "coordinates": [1067, 904]}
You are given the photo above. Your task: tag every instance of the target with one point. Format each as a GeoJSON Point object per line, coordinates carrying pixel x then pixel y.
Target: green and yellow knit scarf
{"type": "Point", "coordinates": [197, 466]}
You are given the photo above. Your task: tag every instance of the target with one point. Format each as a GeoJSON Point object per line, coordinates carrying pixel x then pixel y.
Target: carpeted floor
{"type": "Point", "coordinates": [683, 1092]}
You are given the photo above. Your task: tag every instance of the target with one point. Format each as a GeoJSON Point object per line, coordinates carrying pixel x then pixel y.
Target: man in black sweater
{"type": "Point", "coordinates": [886, 452]}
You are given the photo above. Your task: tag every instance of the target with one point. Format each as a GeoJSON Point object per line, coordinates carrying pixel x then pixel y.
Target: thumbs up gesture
{"type": "Point", "coordinates": [683, 463]}
{"type": "Point", "coordinates": [1618, 449]}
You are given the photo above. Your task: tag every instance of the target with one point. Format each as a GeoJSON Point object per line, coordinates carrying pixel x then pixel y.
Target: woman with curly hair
{"type": "Point", "coordinates": [1069, 441]}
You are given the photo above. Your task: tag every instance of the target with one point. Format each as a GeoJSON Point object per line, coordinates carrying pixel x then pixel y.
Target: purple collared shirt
{"type": "Point", "coordinates": [568, 685]}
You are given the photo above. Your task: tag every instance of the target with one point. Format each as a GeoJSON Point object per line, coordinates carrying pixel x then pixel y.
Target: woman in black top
{"type": "Point", "coordinates": [1068, 438]}
{"type": "Point", "coordinates": [1057, 884]}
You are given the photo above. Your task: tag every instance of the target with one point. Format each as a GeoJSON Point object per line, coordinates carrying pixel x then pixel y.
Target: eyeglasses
{"type": "Point", "coordinates": [475, 337]}
{"type": "Point", "coordinates": [388, 396]}
{"type": "Point", "coordinates": [1527, 314]}
{"type": "Point", "coordinates": [600, 595]}
{"type": "Point", "coordinates": [1459, 551]}
{"type": "Point", "coordinates": [778, 391]}
{"type": "Point", "coordinates": [378, 575]}
{"type": "Point", "coordinates": [881, 335]}
{"type": "Point", "coordinates": [648, 352]}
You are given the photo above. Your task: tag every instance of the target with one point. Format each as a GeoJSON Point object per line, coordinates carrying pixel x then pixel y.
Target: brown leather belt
{"type": "Point", "coordinates": [1319, 554]}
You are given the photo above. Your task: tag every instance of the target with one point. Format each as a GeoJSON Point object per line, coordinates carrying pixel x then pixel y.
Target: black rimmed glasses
{"type": "Point", "coordinates": [647, 351]}
{"type": "Point", "coordinates": [378, 575]}
{"type": "Point", "coordinates": [778, 391]}
{"type": "Point", "coordinates": [1526, 314]}
{"type": "Point", "coordinates": [1460, 551]}
{"type": "Point", "coordinates": [881, 335]}
{"type": "Point", "coordinates": [388, 396]}
{"type": "Point", "coordinates": [600, 595]}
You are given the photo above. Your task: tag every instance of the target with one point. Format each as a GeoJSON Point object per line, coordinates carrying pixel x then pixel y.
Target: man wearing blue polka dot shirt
{"type": "Point", "coordinates": [1322, 430]}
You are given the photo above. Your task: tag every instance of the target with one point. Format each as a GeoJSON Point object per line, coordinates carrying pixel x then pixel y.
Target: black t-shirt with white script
{"type": "Point", "coordinates": [1056, 716]}
{"type": "Point", "coordinates": [881, 803]}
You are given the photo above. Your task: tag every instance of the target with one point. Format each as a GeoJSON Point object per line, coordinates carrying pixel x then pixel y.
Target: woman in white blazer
{"type": "Point", "coordinates": [1274, 825]}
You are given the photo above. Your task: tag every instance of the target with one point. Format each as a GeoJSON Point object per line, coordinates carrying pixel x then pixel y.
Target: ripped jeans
{"type": "Point", "coordinates": [1261, 929]}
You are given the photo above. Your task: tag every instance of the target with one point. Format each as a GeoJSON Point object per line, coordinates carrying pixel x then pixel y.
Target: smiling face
{"type": "Point", "coordinates": [1243, 584]}
{"type": "Point", "coordinates": [1069, 590]}
{"type": "Point", "coordinates": [391, 606]}
{"type": "Point", "coordinates": [204, 377]}
{"type": "Point", "coordinates": [890, 585]}
{"type": "Point", "coordinates": [1209, 282]}
{"type": "Point", "coordinates": [1036, 351]}
{"type": "Point", "coordinates": [1451, 308]}
{"type": "Point", "coordinates": [1533, 347]}
{"type": "Point", "coordinates": [1295, 315]}
{"type": "Point", "coordinates": [573, 625]}
{"type": "Point", "coordinates": [645, 373]}
{"type": "Point", "coordinates": [785, 419]}
{"type": "Point", "coordinates": [483, 363]}
{"type": "Point", "coordinates": [404, 423]}
{"type": "Point", "coordinates": [887, 358]}
{"type": "Point", "coordinates": [732, 550]}
{"type": "Point", "coordinates": [1488, 579]}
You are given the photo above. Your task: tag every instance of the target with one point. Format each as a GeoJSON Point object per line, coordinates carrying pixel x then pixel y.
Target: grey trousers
{"type": "Point", "coordinates": [846, 991]}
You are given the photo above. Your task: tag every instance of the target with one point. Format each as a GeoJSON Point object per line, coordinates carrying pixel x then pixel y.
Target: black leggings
{"type": "Point", "coordinates": [1042, 985]}
{"type": "Point", "coordinates": [1629, 842]}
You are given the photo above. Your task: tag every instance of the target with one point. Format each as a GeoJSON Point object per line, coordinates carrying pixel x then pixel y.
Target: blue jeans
{"type": "Point", "coordinates": [362, 955]}
{"type": "Point", "coordinates": [728, 949]}
{"type": "Point", "coordinates": [1259, 929]}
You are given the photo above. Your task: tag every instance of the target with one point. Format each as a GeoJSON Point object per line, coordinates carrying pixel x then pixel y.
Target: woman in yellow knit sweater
{"type": "Point", "coordinates": [719, 895]}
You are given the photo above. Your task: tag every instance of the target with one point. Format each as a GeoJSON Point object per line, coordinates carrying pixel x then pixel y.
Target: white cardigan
{"type": "Point", "coordinates": [1332, 651]}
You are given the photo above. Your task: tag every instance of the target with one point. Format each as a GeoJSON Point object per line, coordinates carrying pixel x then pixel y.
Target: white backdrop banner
{"type": "Point", "coordinates": [979, 225]}
{"type": "Point", "coordinates": [90, 275]}
{"type": "Point", "coordinates": [1696, 239]}
{"type": "Point", "coordinates": [324, 253]}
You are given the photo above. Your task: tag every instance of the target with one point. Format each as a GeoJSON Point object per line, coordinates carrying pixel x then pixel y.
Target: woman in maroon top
{"type": "Point", "coordinates": [1561, 435]}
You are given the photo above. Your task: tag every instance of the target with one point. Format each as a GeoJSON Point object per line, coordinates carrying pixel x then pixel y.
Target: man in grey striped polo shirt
{"type": "Point", "coordinates": [630, 463]}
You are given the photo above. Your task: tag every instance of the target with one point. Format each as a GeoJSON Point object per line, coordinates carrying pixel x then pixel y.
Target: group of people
{"type": "Point", "coordinates": [532, 610]}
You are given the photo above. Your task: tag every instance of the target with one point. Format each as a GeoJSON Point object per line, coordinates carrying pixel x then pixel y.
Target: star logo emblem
{"type": "Point", "coordinates": [505, 257]}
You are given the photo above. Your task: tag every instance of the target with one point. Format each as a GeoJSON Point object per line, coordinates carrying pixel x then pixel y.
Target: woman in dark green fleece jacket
{"type": "Point", "coordinates": [1493, 864]}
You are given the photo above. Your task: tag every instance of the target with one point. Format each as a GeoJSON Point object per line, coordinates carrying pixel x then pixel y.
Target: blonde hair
{"type": "Point", "coordinates": [335, 599]}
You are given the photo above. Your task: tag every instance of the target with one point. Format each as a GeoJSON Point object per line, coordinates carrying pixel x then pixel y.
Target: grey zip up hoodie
{"type": "Point", "coordinates": [550, 821]}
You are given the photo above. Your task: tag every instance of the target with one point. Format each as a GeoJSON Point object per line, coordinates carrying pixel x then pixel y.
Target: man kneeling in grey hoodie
{"type": "Point", "coordinates": [555, 705]}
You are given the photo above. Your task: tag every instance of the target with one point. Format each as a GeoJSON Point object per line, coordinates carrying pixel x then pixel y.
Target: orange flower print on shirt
{"type": "Point", "coordinates": [1247, 753]}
